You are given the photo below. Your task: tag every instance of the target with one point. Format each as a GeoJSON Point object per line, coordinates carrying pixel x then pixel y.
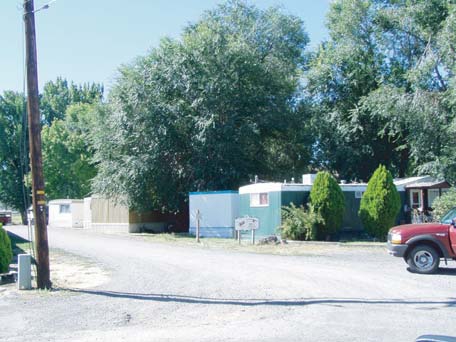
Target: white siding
{"type": "Point", "coordinates": [71, 219]}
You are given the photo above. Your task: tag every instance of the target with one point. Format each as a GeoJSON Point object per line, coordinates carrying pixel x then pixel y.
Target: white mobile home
{"type": "Point", "coordinates": [66, 213]}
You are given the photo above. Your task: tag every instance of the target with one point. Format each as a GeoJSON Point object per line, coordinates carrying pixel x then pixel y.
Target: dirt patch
{"type": "Point", "coordinates": [68, 271]}
{"type": "Point", "coordinates": [72, 271]}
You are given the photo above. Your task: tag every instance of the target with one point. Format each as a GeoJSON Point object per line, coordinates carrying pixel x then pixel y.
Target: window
{"type": "Point", "coordinates": [415, 199]}
{"type": "Point", "coordinates": [259, 200]}
{"type": "Point", "coordinates": [432, 195]}
{"type": "Point", "coordinates": [64, 209]}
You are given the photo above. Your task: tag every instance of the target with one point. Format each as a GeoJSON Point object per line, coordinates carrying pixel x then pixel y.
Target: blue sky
{"type": "Point", "coordinates": [86, 40]}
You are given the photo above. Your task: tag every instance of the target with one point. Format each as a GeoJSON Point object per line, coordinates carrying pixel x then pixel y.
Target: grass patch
{"type": "Point", "coordinates": [306, 248]}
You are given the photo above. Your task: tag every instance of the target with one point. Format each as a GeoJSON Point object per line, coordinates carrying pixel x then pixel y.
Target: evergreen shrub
{"type": "Point", "coordinates": [6, 253]}
{"type": "Point", "coordinates": [328, 201]}
{"type": "Point", "coordinates": [380, 204]}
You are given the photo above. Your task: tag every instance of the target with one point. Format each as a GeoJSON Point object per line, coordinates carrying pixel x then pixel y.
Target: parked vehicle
{"type": "Point", "coordinates": [5, 218]}
{"type": "Point", "coordinates": [422, 245]}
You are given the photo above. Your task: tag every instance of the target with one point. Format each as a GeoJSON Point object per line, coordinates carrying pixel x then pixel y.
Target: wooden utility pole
{"type": "Point", "coordinates": [39, 202]}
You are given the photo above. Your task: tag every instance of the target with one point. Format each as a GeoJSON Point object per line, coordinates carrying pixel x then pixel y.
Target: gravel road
{"type": "Point", "coordinates": [161, 292]}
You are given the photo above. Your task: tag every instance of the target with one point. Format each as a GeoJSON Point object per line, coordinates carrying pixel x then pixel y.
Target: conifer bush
{"type": "Point", "coordinates": [328, 200]}
{"type": "Point", "coordinates": [380, 204]}
{"type": "Point", "coordinates": [6, 253]}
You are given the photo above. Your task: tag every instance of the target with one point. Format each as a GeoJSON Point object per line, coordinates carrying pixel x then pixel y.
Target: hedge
{"type": "Point", "coordinates": [6, 253]}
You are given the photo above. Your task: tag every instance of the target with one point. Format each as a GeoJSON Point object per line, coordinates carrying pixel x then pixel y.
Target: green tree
{"type": "Point", "coordinates": [68, 169]}
{"type": "Point", "coordinates": [380, 204]}
{"type": "Point", "coordinates": [204, 112]}
{"type": "Point", "coordinates": [14, 162]}
{"type": "Point", "coordinates": [6, 254]}
{"type": "Point", "coordinates": [58, 95]}
{"type": "Point", "coordinates": [328, 201]}
{"type": "Point", "coordinates": [383, 87]}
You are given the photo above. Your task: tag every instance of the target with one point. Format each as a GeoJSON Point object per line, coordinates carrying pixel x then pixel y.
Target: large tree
{"type": "Point", "coordinates": [382, 85]}
{"type": "Point", "coordinates": [206, 111]}
{"type": "Point", "coordinates": [67, 116]}
{"type": "Point", "coordinates": [14, 160]}
{"type": "Point", "coordinates": [59, 94]}
{"type": "Point", "coordinates": [68, 169]}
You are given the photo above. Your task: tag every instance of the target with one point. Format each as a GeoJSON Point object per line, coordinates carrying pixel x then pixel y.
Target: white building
{"type": "Point", "coordinates": [66, 213]}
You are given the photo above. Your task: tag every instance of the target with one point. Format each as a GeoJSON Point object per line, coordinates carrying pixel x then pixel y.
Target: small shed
{"type": "Point", "coordinates": [218, 210]}
{"type": "Point", "coordinates": [66, 213]}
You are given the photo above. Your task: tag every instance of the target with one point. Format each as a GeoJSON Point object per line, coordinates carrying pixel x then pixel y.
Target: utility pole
{"type": "Point", "coordinates": [39, 202]}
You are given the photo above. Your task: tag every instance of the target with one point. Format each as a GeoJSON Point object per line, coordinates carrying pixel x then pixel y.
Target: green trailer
{"type": "Point", "coordinates": [265, 200]}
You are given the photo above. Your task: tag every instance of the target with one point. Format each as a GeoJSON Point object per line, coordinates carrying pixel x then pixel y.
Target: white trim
{"type": "Point", "coordinates": [65, 201]}
{"type": "Point", "coordinates": [353, 187]}
{"type": "Point", "coordinates": [296, 187]}
{"type": "Point", "coordinates": [411, 180]}
{"type": "Point", "coordinates": [280, 187]}
{"type": "Point", "coordinates": [260, 187]}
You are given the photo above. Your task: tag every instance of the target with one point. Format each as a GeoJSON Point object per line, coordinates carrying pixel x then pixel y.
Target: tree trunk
{"type": "Point", "coordinates": [24, 217]}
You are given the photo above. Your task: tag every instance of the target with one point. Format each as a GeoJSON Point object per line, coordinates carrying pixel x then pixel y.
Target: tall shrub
{"type": "Point", "coordinates": [328, 200]}
{"type": "Point", "coordinates": [444, 203]}
{"type": "Point", "coordinates": [380, 204]}
{"type": "Point", "coordinates": [6, 253]}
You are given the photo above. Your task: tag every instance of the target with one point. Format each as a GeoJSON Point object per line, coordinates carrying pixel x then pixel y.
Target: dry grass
{"type": "Point", "coordinates": [292, 248]}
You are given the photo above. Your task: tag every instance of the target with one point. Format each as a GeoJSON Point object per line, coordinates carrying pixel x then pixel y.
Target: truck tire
{"type": "Point", "coordinates": [423, 259]}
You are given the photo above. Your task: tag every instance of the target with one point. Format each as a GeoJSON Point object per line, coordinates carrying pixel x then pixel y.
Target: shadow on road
{"type": "Point", "coordinates": [451, 302]}
{"type": "Point", "coordinates": [440, 271]}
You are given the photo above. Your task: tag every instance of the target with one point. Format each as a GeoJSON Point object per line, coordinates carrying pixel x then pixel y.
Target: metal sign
{"type": "Point", "coordinates": [246, 223]}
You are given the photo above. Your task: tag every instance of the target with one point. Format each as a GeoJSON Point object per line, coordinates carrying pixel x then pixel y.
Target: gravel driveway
{"type": "Point", "coordinates": [164, 292]}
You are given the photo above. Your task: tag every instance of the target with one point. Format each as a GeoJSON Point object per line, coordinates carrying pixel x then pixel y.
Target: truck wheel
{"type": "Point", "coordinates": [423, 259]}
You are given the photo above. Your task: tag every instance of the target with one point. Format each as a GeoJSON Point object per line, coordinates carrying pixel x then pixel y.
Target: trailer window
{"type": "Point", "coordinates": [259, 199]}
{"type": "Point", "coordinates": [64, 209]}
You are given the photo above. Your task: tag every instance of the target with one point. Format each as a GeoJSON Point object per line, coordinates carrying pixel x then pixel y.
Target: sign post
{"type": "Point", "coordinates": [198, 218]}
{"type": "Point", "coordinates": [246, 223]}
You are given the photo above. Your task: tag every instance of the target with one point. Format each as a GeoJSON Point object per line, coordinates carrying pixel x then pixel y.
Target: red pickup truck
{"type": "Point", "coordinates": [422, 245]}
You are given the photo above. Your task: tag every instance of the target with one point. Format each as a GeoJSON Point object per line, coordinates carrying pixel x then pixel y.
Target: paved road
{"type": "Point", "coordinates": [163, 292]}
